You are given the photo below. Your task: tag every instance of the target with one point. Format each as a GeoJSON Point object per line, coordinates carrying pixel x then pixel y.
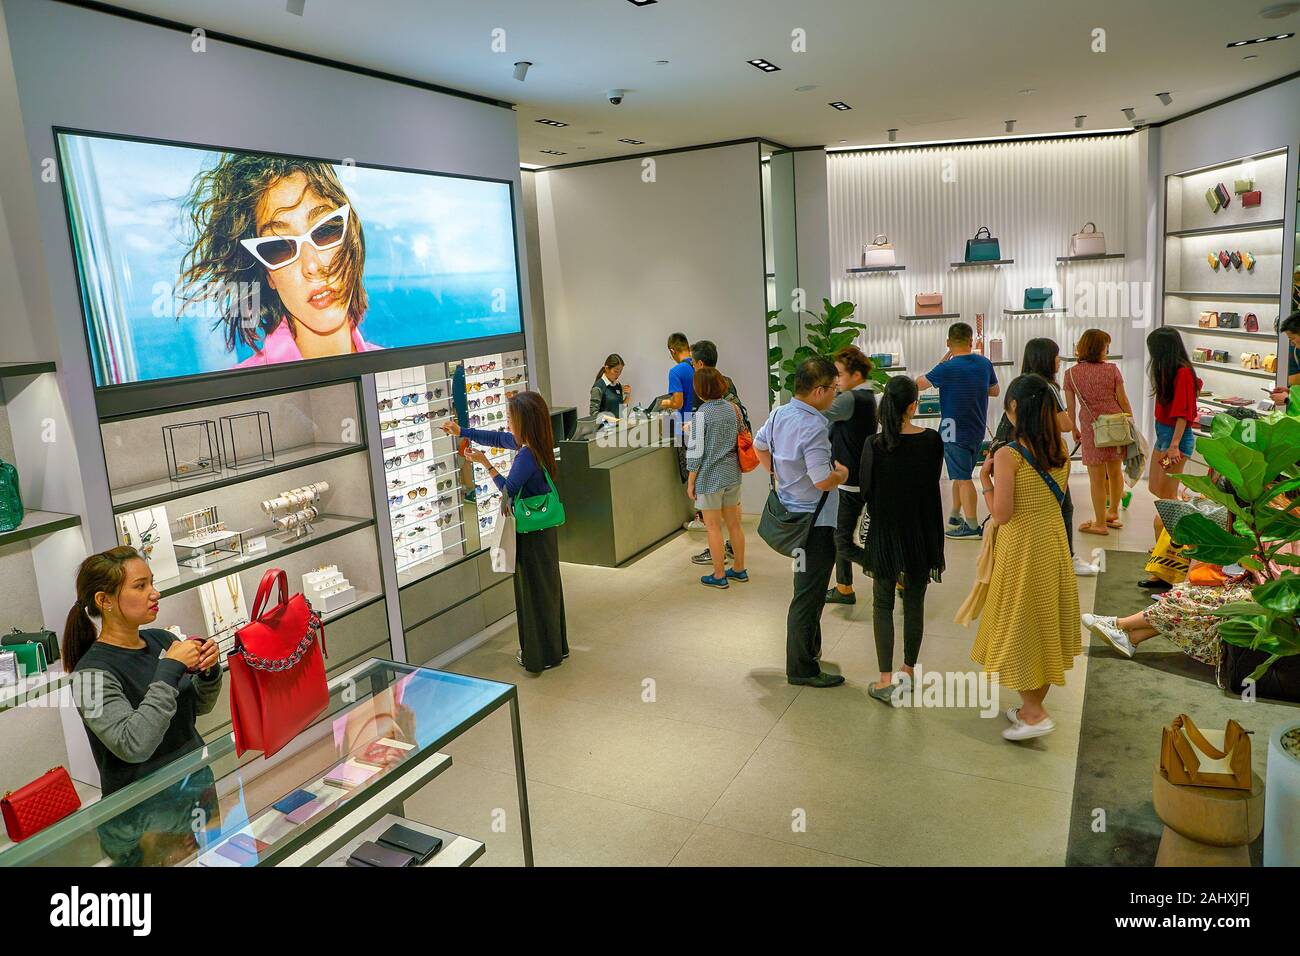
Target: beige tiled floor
{"type": "Point", "coordinates": [670, 736]}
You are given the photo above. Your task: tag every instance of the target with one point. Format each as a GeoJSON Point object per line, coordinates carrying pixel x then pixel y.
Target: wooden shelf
{"type": "Point", "coordinates": [990, 262]}
{"type": "Point", "coordinates": [1224, 230]}
{"type": "Point", "coordinates": [922, 318]}
{"type": "Point", "coordinates": [1035, 311]}
{"type": "Point", "coordinates": [36, 524]}
{"type": "Point", "coordinates": [1236, 370]}
{"type": "Point", "coordinates": [1100, 258]}
{"type": "Point", "coordinates": [867, 269]}
{"type": "Point", "coordinates": [15, 369]}
{"type": "Point", "coordinates": [1233, 333]}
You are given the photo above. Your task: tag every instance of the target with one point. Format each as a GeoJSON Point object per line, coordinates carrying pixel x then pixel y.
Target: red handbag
{"type": "Point", "coordinates": [277, 672]}
{"type": "Point", "coordinates": [745, 446]}
{"type": "Point", "coordinates": [1251, 198]}
{"type": "Point", "coordinates": [33, 807]}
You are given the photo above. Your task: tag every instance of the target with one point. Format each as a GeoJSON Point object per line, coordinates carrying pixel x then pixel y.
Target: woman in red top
{"type": "Point", "coordinates": [1095, 387]}
{"type": "Point", "coordinates": [1175, 387]}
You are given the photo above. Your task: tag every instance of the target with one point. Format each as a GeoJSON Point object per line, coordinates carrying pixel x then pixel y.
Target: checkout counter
{"type": "Point", "coordinates": [622, 490]}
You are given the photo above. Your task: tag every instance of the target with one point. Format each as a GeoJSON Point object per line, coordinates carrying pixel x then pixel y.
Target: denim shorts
{"type": "Point", "coordinates": [960, 461]}
{"type": "Point", "coordinates": [1165, 435]}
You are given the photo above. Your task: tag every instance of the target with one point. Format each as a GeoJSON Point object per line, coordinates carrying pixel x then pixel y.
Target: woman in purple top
{"type": "Point", "coordinates": [285, 228]}
{"type": "Point", "coordinates": [539, 592]}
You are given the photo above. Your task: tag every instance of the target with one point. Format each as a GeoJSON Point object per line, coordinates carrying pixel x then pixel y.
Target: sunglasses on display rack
{"type": "Point", "coordinates": [446, 484]}
{"type": "Point", "coordinates": [489, 501]}
{"type": "Point", "coordinates": [394, 500]}
{"type": "Point", "coordinates": [445, 520]}
{"type": "Point", "coordinates": [419, 419]}
{"type": "Point", "coordinates": [391, 463]}
{"type": "Point", "coordinates": [486, 521]}
{"type": "Point", "coordinates": [413, 437]}
{"type": "Point", "coordinates": [486, 400]}
{"type": "Point", "coordinates": [480, 369]}
{"type": "Point", "coordinates": [480, 386]}
{"type": "Point", "coordinates": [421, 492]}
{"type": "Point", "coordinates": [420, 513]}
{"type": "Point", "coordinates": [418, 549]}
{"type": "Point", "coordinates": [276, 252]}
{"type": "Point", "coordinates": [438, 467]}
{"type": "Point", "coordinates": [514, 380]}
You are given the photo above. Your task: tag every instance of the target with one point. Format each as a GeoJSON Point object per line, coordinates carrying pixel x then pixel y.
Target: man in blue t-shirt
{"type": "Point", "coordinates": [681, 395]}
{"type": "Point", "coordinates": [965, 382]}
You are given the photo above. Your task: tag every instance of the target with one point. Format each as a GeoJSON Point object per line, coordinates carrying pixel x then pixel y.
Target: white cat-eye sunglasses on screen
{"type": "Point", "coordinates": [276, 252]}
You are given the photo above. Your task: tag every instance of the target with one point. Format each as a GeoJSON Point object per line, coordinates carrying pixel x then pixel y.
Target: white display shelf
{"type": "Point", "coordinates": [34, 687]}
{"type": "Point", "coordinates": [973, 265]}
{"type": "Point", "coordinates": [1233, 333]}
{"type": "Point", "coordinates": [1109, 358]}
{"type": "Point", "coordinates": [456, 850]}
{"type": "Point", "coordinates": [37, 524]}
{"type": "Point", "coordinates": [923, 318]}
{"type": "Point", "coordinates": [1236, 370]}
{"type": "Point", "coordinates": [1226, 230]}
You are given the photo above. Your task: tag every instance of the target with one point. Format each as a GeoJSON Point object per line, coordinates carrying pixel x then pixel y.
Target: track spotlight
{"type": "Point", "coordinates": [1011, 126]}
{"type": "Point", "coordinates": [1078, 120]}
{"type": "Point", "coordinates": [521, 70]}
{"type": "Point", "coordinates": [1130, 114]}
{"type": "Point", "coordinates": [1164, 98]}
{"type": "Point", "coordinates": [893, 135]}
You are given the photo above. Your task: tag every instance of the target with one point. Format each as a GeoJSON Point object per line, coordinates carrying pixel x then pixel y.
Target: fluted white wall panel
{"type": "Point", "coordinates": [1032, 195]}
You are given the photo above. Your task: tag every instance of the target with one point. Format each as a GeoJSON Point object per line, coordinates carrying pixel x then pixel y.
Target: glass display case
{"type": "Point", "coordinates": [378, 742]}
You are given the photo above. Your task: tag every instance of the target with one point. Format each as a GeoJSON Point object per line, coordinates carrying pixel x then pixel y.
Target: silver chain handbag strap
{"type": "Point", "coordinates": [290, 662]}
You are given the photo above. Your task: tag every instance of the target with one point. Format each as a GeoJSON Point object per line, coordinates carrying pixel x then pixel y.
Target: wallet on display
{"type": "Point", "coordinates": [384, 752]}
{"type": "Point", "coordinates": [372, 854]}
{"type": "Point", "coordinates": [349, 774]}
{"type": "Point", "coordinates": [421, 846]}
{"type": "Point", "coordinates": [293, 801]}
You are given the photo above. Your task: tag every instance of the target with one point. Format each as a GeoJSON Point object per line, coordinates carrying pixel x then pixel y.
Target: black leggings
{"type": "Point", "coordinates": [913, 619]}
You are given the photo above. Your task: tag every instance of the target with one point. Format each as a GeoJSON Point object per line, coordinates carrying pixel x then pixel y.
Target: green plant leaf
{"type": "Point", "coordinates": [1278, 524]}
{"type": "Point", "coordinates": [1289, 560]}
{"type": "Point", "coordinates": [1282, 596]}
{"type": "Point", "coordinates": [1240, 464]}
{"type": "Point", "coordinates": [1252, 564]}
{"type": "Point", "coordinates": [1205, 485]}
{"type": "Point", "coordinates": [1211, 543]}
{"type": "Point", "coordinates": [773, 329]}
{"type": "Point", "coordinates": [1238, 608]}
{"type": "Point", "coordinates": [1283, 444]}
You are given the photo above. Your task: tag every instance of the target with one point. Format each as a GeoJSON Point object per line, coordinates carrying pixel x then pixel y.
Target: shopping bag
{"type": "Point", "coordinates": [502, 545]}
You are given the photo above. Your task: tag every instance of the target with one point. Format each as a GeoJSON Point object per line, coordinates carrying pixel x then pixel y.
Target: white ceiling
{"type": "Point", "coordinates": [935, 69]}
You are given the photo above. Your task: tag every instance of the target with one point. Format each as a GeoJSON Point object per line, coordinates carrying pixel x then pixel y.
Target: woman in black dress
{"type": "Point", "coordinates": [539, 592]}
{"type": "Point", "coordinates": [899, 477]}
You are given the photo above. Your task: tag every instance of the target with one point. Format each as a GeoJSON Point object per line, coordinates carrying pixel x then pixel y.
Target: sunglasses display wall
{"type": "Point", "coordinates": [490, 382]}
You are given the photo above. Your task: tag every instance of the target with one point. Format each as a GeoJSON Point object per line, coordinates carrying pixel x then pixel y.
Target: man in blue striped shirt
{"type": "Point", "coordinates": [794, 444]}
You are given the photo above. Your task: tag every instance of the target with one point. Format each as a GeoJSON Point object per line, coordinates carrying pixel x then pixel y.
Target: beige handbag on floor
{"type": "Point", "coordinates": [1195, 759]}
{"type": "Point", "coordinates": [974, 603]}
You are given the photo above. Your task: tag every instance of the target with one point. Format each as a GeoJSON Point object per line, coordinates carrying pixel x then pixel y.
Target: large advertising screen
{"type": "Point", "coordinates": [194, 260]}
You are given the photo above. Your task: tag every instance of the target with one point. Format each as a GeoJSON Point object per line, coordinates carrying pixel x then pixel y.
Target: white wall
{"type": "Point", "coordinates": [626, 262]}
{"type": "Point", "coordinates": [1032, 195]}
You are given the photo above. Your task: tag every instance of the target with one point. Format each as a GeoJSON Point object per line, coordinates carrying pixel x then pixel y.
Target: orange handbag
{"type": "Point", "coordinates": [745, 446]}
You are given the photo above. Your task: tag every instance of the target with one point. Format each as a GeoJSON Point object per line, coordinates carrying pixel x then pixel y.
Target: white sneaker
{"type": "Point", "coordinates": [1083, 569]}
{"type": "Point", "coordinates": [1012, 714]}
{"type": "Point", "coordinates": [695, 524]}
{"type": "Point", "coordinates": [1109, 631]}
{"type": "Point", "coordinates": [1023, 731]}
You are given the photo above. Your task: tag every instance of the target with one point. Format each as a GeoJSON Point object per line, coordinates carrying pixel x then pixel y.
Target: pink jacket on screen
{"type": "Point", "coordinates": [279, 346]}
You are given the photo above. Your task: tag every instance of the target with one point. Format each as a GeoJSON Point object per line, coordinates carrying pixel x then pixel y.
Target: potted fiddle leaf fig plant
{"type": "Point", "coordinates": [827, 334]}
{"type": "Point", "coordinates": [1260, 459]}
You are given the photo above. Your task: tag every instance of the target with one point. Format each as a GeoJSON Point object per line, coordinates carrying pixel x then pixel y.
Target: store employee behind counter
{"type": "Point", "coordinates": [606, 394]}
{"type": "Point", "coordinates": [140, 692]}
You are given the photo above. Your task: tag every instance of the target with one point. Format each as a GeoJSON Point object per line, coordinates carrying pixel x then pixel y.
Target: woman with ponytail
{"type": "Point", "coordinates": [607, 395]}
{"type": "Point", "coordinates": [903, 546]}
{"type": "Point", "coordinates": [1029, 632]}
{"type": "Point", "coordinates": [141, 688]}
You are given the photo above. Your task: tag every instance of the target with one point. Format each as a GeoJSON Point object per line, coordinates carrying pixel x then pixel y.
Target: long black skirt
{"type": "Point", "coordinates": [539, 599]}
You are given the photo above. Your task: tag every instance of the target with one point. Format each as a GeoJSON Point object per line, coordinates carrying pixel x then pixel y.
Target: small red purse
{"type": "Point", "coordinates": [1251, 198]}
{"type": "Point", "coordinates": [33, 807]}
{"type": "Point", "coordinates": [277, 673]}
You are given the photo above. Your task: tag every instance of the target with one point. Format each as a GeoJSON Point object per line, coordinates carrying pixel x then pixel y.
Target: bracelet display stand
{"type": "Point", "coordinates": [295, 510]}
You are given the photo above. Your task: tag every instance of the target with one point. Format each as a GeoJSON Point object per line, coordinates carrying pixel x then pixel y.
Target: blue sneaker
{"type": "Point", "coordinates": [965, 531]}
{"type": "Point", "coordinates": [741, 576]}
{"type": "Point", "coordinates": [709, 581]}
{"type": "Point", "coordinates": [955, 520]}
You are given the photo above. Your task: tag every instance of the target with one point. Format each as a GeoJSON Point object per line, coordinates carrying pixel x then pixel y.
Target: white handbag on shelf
{"type": "Point", "coordinates": [879, 252]}
{"type": "Point", "coordinates": [1088, 241]}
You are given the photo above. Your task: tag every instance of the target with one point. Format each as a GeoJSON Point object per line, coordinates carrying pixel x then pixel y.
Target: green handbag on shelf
{"type": "Point", "coordinates": [31, 658]}
{"type": "Point", "coordinates": [540, 511]}
{"type": "Point", "coordinates": [11, 501]}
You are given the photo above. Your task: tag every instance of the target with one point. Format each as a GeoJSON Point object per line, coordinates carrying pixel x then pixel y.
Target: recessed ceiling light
{"type": "Point", "coordinates": [633, 142]}
{"type": "Point", "coordinates": [1279, 10]}
{"type": "Point", "coordinates": [553, 152]}
{"type": "Point", "coordinates": [1280, 36]}
{"type": "Point", "coordinates": [766, 66]}
{"type": "Point", "coordinates": [661, 62]}
{"type": "Point", "coordinates": [594, 132]}
{"type": "Point", "coordinates": [1130, 114]}
{"type": "Point", "coordinates": [1251, 56]}
{"type": "Point", "coordinates": [550, 122]}
{"type": "Point", "coordinates": [805, 89]}
{"type": "Point", "coordinates": [1027, 92]}
{"type": "Point", "coordinates": [839, 105]}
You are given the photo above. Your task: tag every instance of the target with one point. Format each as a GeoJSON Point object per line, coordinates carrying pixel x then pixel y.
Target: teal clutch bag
{"type": "Point", "coordinates": [1038, 298]}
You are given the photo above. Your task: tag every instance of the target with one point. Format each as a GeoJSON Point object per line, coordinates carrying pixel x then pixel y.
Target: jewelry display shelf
{"type": "Point", "coordinates": [862, 270]}
{"type": "Point", "coordinates": [326, 528]}
{"type": "Point", "coordinates": [146, 494]}
{"type": "Point", "coordinates": [922, 318]}
{"type": "Point", "coordinates": [1099, 258]}
{"type": "Point", "coordinates": [1225, 367]}
{"type": "Point", "coordinates": [990, 262]}
{"type": "Point", "coordinates": [15, 369]}
{"type": "Point", "coordinates": [1242, 296]}
{"type": "Point", "coordinates": [1233, 333]}
{"type": "Point", "coordinates": [36, 524]}
{"type": "Point", "coordinates": [1224, 230]}
{"type": "Point", "coordinates": [1035, 311]}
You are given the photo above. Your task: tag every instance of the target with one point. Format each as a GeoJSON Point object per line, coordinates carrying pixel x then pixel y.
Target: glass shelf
{"type": "Point", "coordinates": [36, 524]}
{"type": "Point", "coordinates": [149, 821]}
{"type": "Point", "coordinates": [1224, 230]}
{"type": "Point", "coordinates": [1243, 296]}
{"type": "Point", "coordinates": [1034, 311]}
{"type": "Point", "coordinates": [146, 494]}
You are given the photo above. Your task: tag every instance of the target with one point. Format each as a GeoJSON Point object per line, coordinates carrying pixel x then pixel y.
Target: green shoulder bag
{"type": "Point", "coordinates": [540, 511]}
{"type": "Point", "coordinates": [11, 502]}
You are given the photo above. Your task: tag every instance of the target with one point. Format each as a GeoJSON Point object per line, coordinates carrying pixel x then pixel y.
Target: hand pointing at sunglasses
{"type": "Point", "coordinates": [451, 427]}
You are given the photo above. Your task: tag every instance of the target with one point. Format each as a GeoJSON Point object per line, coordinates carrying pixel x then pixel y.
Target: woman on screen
{"type": "Point", "coordinates": [285, 228]}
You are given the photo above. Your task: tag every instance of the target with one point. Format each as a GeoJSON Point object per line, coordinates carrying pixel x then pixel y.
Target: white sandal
{"type": "Point", "coordinates": [1023, 731]}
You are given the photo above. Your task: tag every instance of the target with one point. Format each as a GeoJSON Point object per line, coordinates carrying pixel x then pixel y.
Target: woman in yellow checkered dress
{"type": "Point", "coordinates": [1029, 628]}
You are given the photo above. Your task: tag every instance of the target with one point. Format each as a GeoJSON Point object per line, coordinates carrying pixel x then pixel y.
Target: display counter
{"type": "Point", "coordinates": [379, 741]}
{"type": "Point", "coordinates": [622, 492]}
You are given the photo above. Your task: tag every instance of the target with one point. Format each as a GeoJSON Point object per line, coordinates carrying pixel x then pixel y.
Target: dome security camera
{"type": "Point", "coordinates": [615, 97]}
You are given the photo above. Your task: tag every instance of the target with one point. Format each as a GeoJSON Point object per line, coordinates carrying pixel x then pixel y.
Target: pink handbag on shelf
{"type": "Point", "coordinates": [929, 303]}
